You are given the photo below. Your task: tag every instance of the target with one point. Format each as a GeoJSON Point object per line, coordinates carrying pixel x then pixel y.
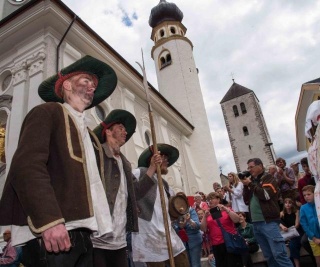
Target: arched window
{"type": "Point", "coordinates": [173, 30]}
{"type": "Point", "coordinates": [168, 58]}
{"type": "Point", "coordinates": [245, 131]}
{"type": "Point", "coordinates": [161, 33]}
{"type": "Point", "coordinates": [235, 111]}
{"type": "Point", "coordinates": [243, 108]}
{"type": "Point", "coordinates": [164, 59]}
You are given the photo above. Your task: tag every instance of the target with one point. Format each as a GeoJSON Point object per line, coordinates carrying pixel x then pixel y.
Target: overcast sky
{"type": "Point", "coordinates": [270, 46]}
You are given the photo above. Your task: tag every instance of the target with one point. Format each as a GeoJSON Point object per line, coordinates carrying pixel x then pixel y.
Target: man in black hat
{"type": "Point", "coordinates": [53, 196]}
{"type": "Point", "coordinates": [149, 244]}
{"type": "Point", "coordinates": [122, 188]}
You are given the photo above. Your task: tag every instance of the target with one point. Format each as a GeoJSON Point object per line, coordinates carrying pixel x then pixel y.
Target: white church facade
{"type": "Point", "coordinates": [39, 37]}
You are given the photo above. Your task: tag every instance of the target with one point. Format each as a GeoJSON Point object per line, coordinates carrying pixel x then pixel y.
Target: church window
{"type": "Point", "coordinates": [235, 111]}
{"type": "Point", "coordinates": [165, 59]}
{"type": "Point", "coordinates": [243, 108]}
{"type": "Point", "coordinates": [173, 30]}
{"type": "Point", "coordinates": [168, 58]}
{"type": "Point", "coordinates": [245, 131]}
{"type": "Point", "coordinates": [161, 33]}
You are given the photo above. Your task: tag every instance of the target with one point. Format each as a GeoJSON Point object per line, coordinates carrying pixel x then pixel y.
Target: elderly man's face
{"type": "Point", "coordinates": [272, 170]}
{"type": "Point", "coordinates": [83, 87]}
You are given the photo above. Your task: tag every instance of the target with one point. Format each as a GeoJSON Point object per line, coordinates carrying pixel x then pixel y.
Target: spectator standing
{"type": "Point", "coordinates": [10, 256]}
{"type": "Point", "coordinates": [272, 170]}
{"type": "Point", "coordinates": [307, 179]}
{"type": "Point", "coordinates": [235, 188]}
{"type": "Point", "coordinates": [224, 197]}
{"type": "Point", "coordinates": [246, 230]}
{"type": "Point", "coordinates": [228, 219]}
{"type": "Point", "coordinates": [206, 245]}
{"type": "Point", "coordinates": [191, 225]}
{"type": "Point", "coordinates": [261, 194]}
{"type": "Point", "coordinates": [295, 167]}
{"type": "Point", "coordinates": [309, 221]}
{"type": "Point", "coordinates": [216, 186]}
{"type": "Point", "coordinates": [286, 179]}
{"type": "Point", "coordinates": [290, 217]}
{"type": "Point", "coordinates": [198, 203]}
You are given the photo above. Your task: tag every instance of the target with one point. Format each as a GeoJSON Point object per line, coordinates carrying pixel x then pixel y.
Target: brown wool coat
{"type": "Point", "coordinates": [48, 181]}
{"type": "Point", "coordinates": [136, 189]}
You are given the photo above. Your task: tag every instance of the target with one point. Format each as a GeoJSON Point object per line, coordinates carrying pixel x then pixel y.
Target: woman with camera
{"type": "Point", "coordinates": [227, 218]}
{"type": "Point", "coordinates": [188, 229]}
{"type": "Point", "coordinates": [235, 188]}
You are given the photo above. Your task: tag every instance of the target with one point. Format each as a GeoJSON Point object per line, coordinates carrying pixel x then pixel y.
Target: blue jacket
{"type": "Point", "coordinates": [309, 220]}
{"type": "Point", "coordinates": [194, 234]}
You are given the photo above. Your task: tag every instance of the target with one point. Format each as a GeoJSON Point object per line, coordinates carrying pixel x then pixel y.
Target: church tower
{"type": "Point", "coordinates": [247, 130]}
{"type": "Point", "coordinates": [178, 82]}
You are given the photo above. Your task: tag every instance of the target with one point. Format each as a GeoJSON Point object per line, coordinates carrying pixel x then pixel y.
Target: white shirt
{"type": "Point", "coordinates": [117, 239]}
{"type": "Point", "coordinates": [100, 223]}
{"type": "Point", "coordinates": [149, 244]}
{"type": "Point", "coordinates": [238, 204]}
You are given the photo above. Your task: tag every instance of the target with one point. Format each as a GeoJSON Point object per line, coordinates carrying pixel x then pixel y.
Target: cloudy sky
{"type": "Point", "coordinates": [270, 46]}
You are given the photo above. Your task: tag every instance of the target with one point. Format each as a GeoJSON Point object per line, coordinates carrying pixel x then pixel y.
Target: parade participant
{"type": "Point", "coordinates": [149, 245]}
{"type": "Point", "coordinates": [121, 188]}
{"type": "Point", "coordinates": [53, 192]}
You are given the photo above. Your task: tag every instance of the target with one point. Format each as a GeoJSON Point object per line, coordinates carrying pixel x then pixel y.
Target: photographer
{"type": "Point", "coordinates": [227, 218]}
{"type": "Point", "coordinates": [235, 188]}
{"type": "Point", "coordinates": [188, 228]}
{"type": "Point", "coordinates": [261, 194]}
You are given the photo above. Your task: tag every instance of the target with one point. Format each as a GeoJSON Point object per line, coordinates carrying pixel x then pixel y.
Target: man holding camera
{"type": "Point", "coordinates": [261, 194]}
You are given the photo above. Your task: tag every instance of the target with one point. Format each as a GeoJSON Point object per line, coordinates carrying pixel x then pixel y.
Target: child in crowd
{"type": "Point", "coordinates": [310, 222]}
{"type": "Point", "coordinates": [205, 236]}
{"type": "Point", "coordinates": [290, 217]}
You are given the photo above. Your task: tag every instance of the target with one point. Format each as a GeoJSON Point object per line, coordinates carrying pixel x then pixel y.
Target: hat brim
{"type": "Point", "coordinates": [170, 151]}
{"type": "Point", "coordinates": [106, 76]}
{"type": "Point", "coordinates": [119, 116]}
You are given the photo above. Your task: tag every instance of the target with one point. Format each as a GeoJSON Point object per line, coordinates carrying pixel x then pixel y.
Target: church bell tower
{"type": "Point", "coordinates": [178, 82]}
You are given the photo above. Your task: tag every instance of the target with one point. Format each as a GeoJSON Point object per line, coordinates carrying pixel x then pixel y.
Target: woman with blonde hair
{"type": "Point", "coordinates": [235, 189]}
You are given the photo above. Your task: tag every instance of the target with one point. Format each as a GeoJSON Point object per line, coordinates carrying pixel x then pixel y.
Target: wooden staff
{"type": "Point", "coordinates": [160, 182]}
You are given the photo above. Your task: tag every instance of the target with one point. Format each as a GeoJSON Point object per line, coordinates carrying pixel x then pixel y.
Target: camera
{"type": "Point", "coordinates": [215, 213]}
{"type": "Point", "coordinates": [243, 175]}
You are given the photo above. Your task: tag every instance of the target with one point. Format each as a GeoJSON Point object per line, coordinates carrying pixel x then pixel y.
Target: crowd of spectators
{"type": "Point", "coordinates": [241, 202]}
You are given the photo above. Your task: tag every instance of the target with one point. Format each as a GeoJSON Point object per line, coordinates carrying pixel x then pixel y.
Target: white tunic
{"type": "Point", "coordinates": [117, 239]}
{"type": "Point", "coordinates": [150, 245]}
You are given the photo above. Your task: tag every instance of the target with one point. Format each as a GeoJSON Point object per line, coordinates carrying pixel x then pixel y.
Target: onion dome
{"type": "Point", "coordinates": [164, 11]}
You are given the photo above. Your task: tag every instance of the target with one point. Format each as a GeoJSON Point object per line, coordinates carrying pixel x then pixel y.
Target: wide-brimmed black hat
{"type": "Point", "coordinates": [106, 79]}
{"type": "Point", "coordinates": [116, 116]}
{"type": "Point", "coordinates": [170, 151]}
